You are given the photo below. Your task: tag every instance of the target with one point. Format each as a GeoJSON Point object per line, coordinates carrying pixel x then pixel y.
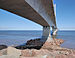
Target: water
{"type": "Point", "coordinates": [68, 37]}
{"type": "Point", "coordinates": [19, 37]}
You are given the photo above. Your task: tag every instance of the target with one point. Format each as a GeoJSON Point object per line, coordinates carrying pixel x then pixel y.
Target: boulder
{"type": "Point", "coordinates": [3, 47]}
{"type": "Point", "coordinates": [13, 51]}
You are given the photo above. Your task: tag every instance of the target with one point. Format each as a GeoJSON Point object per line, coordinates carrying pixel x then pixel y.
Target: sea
{"type": "Point", "coordinates": [19, 37]}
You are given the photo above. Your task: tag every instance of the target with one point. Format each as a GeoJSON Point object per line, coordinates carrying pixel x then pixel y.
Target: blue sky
{"type": "Point", "coordinates": [65, 14]}
{"type": "Point", "coordinates": [65, 18]}
{"type": "Point", "coordinates": [9, 21]}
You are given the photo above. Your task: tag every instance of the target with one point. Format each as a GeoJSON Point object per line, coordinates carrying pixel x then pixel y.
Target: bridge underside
{"type": "Point", "coordinates": [39, 11]}
{"type": "Point", "coordinates": [26, 9]}
{"type": "Point", "coordinates": [22, 8]}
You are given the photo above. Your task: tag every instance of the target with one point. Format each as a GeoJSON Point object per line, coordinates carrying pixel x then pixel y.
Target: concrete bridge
{"type": "Point", "coordinates": [39, 11]}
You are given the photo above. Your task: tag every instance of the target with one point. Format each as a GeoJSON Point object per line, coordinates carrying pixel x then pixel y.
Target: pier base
{"type": "Point", "coordinates": [54, 30]}
{"type": "Point", "coordinates": [46, 34]}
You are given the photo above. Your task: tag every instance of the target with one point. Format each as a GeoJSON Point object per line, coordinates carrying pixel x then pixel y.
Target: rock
{"type": "Point", "coordinates": [0, 54]}
{"type": "Point", "coordinates": [31, 44]}
{"type": "Point", "coordinates": [34, 42]}
{"type": "Point", "coordinates": [60, 56]}
{"type": "Point", "coordinates": [41, 56]}
{"type": "Point", "coordinates": [73, 52]}
{"type": "Point", "coordinates": [3, 51]}
{"type": "Point", "coordinates": [58, 41]}
{"type": "Point", "coordinates": [3, 47]}
{"type": "Point", "coordinates": [36, 53]}
{"type": "Point", "coordinates": [9, 56]}
{"type": "Point", "coordinates": [55, 44]}
{"type": "Point", "coordinates": [48, 50]}
{"type": "Point", "coordinates": [27, 57]}
{"type": "Point", "coordinates": [27, 53]}
{"type": "Point", "coordinates": [13, 51]}
{"type": "Point", "coordinates": [38, 43]}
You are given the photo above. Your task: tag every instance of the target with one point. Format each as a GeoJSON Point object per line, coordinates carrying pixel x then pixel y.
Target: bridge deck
{"type": "Point", "coordinates": [26, 9]}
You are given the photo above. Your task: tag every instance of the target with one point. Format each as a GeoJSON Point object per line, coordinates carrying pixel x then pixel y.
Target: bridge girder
{"type": "Point", "coordinates": [39, 11]}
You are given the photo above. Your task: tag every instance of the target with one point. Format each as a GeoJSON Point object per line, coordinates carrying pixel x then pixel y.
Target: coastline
{"type": "Point", "coordinates": [48, 50]}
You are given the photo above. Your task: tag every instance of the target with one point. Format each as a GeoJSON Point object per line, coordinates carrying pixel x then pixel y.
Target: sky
{"type": "Point", "coordinates": [65, 18]}
{"type": "Point", "coordinates": [65, 14]}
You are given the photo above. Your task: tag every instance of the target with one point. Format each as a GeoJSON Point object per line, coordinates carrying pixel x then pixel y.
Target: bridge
{"type": "Point", "coordinates": [39, 11]}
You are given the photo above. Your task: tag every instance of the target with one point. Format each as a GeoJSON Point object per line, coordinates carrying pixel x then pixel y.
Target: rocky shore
{"type": "Point", "coordinates": [48, 50]}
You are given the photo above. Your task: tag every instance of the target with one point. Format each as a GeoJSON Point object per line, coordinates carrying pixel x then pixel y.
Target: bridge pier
{"type": "Point", "coordinates": [46, 34]}
{"type": "Point", "coordinates": [54, 30]}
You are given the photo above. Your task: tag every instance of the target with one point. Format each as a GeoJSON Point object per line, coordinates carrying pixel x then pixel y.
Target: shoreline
{"type": "Point", "coordinates": [48, 50]}
{"type": "Point", "coordinates": [62, 45]}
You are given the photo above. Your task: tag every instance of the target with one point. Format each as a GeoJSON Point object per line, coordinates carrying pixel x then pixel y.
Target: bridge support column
{"type": "Point", "coordinates": [46, 34]}
{"type": "Point", "coordinates": [54, 30]}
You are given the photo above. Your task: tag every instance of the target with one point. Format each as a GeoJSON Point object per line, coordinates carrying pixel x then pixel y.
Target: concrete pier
{"type": "Point", "coordinates": [54, 31]}
{"type": "Point", "coordinates": [46, 33]}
